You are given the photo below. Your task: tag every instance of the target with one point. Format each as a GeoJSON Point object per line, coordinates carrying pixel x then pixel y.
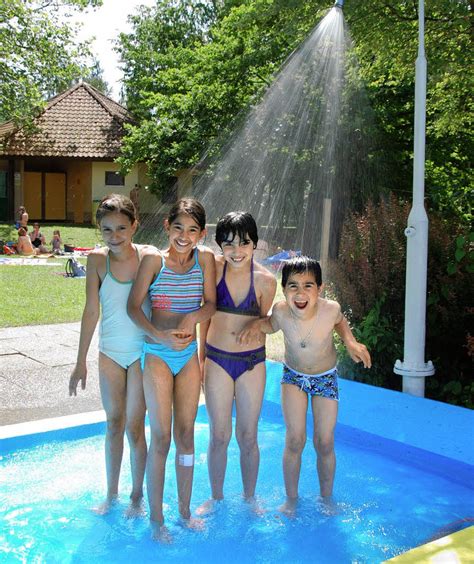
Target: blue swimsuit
{"type": "Point", "coordinates": [178, 293]}
{"type": "Point", "coordinates": [236, 363]}
{"type": "Point", "coordinates": [119, 338]}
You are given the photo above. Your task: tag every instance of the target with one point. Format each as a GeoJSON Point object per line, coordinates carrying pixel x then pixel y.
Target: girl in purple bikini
{"type": "Point", "coordinates": [235, 372]}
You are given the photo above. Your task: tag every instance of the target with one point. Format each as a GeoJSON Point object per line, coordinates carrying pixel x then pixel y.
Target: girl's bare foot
{"type": "Point", "coordinates": [106, 505]}
{"type": "Point", "coordinates": [193, 523]}
{"type": "Point", "coordinates": [136, 508]}
{"type": "Point", "coordinates": [208, 507]}
{"type": "Point", "coordinates": [255, 505]}
{"type": "Point", "coordinates": [160, 533]}
{"type": "Point", "coordinates": [289, 507]}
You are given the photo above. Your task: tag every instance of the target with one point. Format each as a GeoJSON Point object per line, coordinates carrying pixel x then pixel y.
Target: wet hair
{"type": "Point", "coordinates": [22, 232]}
{"type": "Point", "coordinates": [301, 265]}
{"type": "Point", "coordinates": [236, 223]}
{"type": "Point", "coordinates": [191, 207]}
{"type": "Point", "coordinates": [116, 203]}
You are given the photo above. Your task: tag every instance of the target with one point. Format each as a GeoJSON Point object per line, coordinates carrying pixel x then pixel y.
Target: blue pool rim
{"type": "Point", "coordinates": [422, 433]}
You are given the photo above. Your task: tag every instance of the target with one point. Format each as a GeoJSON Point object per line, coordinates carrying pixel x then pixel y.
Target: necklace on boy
{"type": "Point", "coordinates": [303, 341]}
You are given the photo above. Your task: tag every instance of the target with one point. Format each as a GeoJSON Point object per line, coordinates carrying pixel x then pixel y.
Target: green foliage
{"type": "Point", "coordinates": [38, 54]}
{"type": "Point", "coordinates": [191, 67]}
{"type": "Point", "coordinates": [383, 338]}
{"type": "Point", "coordinates": [449, 315]}
{"type": "Point", "coordinates": [369, 282]}
{"type": "Point", "coordinates": [94, 75]}
{"type": "Point", "coordinates": [187, 82]}
{"type": "Point", "coordinates": [386, 42]}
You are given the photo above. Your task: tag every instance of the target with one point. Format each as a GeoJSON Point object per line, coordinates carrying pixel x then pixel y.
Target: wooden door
{"type": "Point", "coordinates": [54, 196]}
{"type": "Point", "coordinates": [32, 194]}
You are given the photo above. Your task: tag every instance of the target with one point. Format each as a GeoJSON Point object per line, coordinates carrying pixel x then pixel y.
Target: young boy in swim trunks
{"type": "Point", "coordinates": [308, 321]}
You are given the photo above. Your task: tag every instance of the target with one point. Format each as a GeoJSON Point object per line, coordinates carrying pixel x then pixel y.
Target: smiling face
{"type": "Point", "coordinates": [184, 233]}
{"type": "Point", "coordinates": [302, 293]}
{"type": "Point", "coordinates": [117, 231]}
{"type": "Point", "coordinates": [237, 252]}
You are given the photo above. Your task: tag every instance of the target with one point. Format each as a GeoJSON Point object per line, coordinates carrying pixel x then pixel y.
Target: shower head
{"type": "Point", "coordinates": [339, 4]}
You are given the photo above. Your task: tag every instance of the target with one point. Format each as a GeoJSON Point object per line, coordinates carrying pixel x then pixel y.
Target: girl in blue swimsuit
{"type": "Point", "coordinates": [180, 283]}
{"type": "Point", "coordinates": [235, 372]}
{"type": "Point", "coordinates": [110, 273]}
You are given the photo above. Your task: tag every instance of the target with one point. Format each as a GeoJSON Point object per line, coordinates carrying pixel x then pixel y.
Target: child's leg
{"type": "Point", "coordinates": [324, 421]}
{"type": "Point", "coordinates": [295, 405]}
{"type": "Point", "coordinates": [249, 388]}
{"type": "Point", "coordinates": [135, 427]}
{"type": "Point", "coordinates": [187, 388]}
{"type": "Point", "coordinates": [112, 379]}
{"type": "Point", "coordinates": [158, 388]}
{"type": "Point", "coordinates": [219, 390]}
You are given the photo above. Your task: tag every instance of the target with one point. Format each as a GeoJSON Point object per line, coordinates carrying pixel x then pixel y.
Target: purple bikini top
{"type": "Point", "coordinates": [226, 304]}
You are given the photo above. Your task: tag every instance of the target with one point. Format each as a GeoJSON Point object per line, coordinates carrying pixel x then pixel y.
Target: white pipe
{"type": "Point", "coordinates": [325, 232]}
{"type": "Point", "coordinates": [413, 368]}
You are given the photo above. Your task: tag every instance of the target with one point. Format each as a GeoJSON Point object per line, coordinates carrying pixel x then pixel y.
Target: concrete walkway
{"type": "Point", "coordinates": [35, 366]}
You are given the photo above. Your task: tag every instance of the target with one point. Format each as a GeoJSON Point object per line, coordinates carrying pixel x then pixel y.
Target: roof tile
{"type": "Point", "coordinates": [80, 122]}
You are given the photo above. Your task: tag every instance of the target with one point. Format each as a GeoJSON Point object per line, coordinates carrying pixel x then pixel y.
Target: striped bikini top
{"type": "Point", "coordinates": [225, 303]}
{"type": "Point", "coordinates": [178, 293]}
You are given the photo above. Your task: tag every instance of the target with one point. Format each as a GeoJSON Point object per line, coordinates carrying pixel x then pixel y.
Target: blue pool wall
{"type": "Point", "coordinates": [420, 431]}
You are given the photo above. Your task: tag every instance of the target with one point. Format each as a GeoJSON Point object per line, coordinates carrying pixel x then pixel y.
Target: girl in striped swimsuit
{"type": "Point", "coordinates": [180, 282]}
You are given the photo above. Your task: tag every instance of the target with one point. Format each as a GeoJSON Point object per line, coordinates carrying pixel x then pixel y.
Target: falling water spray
{"type": "Point", "coordinates": [296, 158]}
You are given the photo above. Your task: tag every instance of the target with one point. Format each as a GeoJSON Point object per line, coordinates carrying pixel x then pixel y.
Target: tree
{"type": "Point", "coordinates": [191, 67]}
{"type": "Point", "coordinates": [187, 81]}
{"type": "Point", "coordinates": [38, 54]}
{"type": "Point", "coordinates": [386, 39]}
{"type": "Point", "coordinates": [94, 75]}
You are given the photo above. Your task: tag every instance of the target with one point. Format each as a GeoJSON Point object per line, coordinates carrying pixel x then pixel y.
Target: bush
{"type": "Point", "coordinates": [369, 281]}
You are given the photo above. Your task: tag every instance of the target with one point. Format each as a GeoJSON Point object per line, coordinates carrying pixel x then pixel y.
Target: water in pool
{"type": "Point", "coordinates": [384, 507]}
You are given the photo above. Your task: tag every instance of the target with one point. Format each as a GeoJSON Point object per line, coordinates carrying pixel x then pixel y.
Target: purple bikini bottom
{"type": "Point", "coordinates": [235, 363]}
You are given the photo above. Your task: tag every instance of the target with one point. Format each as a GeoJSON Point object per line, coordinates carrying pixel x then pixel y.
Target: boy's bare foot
{"type": "Point", "coordinates": [208, 507]}
{"type": "Point", "coordinates": [106, 505]}
{"type": "Point", "coordinates": [289, 507]}
{"type": "Point", "coordinates": [328, 506]}
{"type": "Point", "coordinates": [136, 508]}
{"type": "Point", "coordinates": [160, 533]}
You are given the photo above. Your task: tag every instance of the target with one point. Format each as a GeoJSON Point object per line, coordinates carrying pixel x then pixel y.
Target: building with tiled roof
{"type": "Point", "coordinates": [61, 168]}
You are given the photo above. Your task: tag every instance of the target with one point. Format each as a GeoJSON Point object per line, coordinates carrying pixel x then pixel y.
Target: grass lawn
{"type": "Point", "coordinates": [35, 295]}
{"type": "Point", "coordinates": [86, 236]}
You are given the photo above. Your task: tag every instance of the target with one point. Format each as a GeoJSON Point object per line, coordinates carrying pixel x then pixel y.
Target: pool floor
{"type": "Point", "coordinates": [383, 507]}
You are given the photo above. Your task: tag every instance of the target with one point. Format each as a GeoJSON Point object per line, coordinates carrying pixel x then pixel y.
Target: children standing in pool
{"type": "Point", "coordinates": [233, 371]}
{"type": "Point", "coordinates": [110, 273]}
{"type": "Point", "coordinates": [307, 321]}
{"type": "Point", "coordinates": [181, 284]}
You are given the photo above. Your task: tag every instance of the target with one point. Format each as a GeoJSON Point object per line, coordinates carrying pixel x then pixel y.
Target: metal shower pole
{"type": "Point", "coordinates": [414, 369]}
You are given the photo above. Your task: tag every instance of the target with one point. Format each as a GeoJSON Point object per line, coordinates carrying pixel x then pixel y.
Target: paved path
{"type": "Point", "coordinates": [35, 365]}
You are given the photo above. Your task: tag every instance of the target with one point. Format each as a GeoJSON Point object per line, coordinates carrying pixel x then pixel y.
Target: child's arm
{"type": "Point", "coordinates": [146, 273]}
{"type": "Point", "coordinates": [208, 308]}
{"type": "Point", "coordinates": [203, 329]}
{"type": "Point", "coordinates": [255, 328]}
{"type": "Point", "coordinates": [357, 351]}
{"type": "Point", "coordinates": [90, 317]}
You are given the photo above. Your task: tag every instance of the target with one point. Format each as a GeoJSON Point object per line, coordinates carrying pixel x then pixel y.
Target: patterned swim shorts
{"type": "Point", "coordinates": [324, 384]}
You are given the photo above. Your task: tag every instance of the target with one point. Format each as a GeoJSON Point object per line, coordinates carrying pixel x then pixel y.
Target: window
{"type": "Point", "coordinates": [113, 178]}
